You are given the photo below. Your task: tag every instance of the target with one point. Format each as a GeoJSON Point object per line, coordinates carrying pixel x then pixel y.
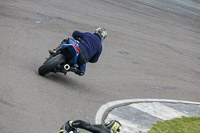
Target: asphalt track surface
{"type": "Point", "coordinates": [151, 52]}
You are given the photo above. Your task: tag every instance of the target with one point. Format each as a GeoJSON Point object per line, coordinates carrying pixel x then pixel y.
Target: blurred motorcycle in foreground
{"type": "Point", "coordinates": [67, 129]}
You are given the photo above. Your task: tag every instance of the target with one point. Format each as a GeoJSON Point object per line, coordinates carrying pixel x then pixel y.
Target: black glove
{"type": "Point", "coordinates": [69, 123]}
{"type": "Point", "coordinates": [68, 126]}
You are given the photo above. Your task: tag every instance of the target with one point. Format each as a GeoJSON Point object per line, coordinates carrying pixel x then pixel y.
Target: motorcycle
{"type": "Point", "coordinates": [64, 60]}
{"type": "Point", "coordinates": [67, 129]}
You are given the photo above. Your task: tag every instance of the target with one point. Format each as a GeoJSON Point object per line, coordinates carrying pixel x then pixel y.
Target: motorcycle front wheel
{"type": "Point", "coordinates": [52, 63]}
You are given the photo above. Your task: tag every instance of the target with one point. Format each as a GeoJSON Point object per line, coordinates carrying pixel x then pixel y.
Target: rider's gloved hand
{"type": "Point", "coordinates": [70, 123]}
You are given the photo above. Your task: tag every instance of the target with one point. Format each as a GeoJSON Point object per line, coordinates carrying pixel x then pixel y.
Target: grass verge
{"type": "Point", "coordinates": [177, 125]}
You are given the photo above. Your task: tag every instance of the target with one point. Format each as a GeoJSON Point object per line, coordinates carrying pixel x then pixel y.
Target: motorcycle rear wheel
{"type": "Point", "coordinates": [52, 63]}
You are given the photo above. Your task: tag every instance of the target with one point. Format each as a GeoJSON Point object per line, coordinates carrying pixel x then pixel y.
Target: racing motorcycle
{"type": "Point", "coordinates": [64, 60]}
{"type": "Point", "coordinates": [67, 129]}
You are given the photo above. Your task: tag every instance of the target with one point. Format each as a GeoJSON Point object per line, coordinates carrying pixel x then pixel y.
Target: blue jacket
{"type": "Point", "coordinates": [90, 45]}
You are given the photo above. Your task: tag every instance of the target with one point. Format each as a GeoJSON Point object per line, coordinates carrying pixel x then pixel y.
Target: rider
{"type": "Point", "coordinates": [90, 47]}
{"type": "Point", "coordinates": [111, 127]}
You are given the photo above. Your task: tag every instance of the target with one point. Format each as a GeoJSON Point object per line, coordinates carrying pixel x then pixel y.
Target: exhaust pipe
{"type": "Point", "coordinates": [66, 67]}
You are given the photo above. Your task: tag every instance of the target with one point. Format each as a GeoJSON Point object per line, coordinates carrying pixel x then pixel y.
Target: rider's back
{"type": "Point", "coordinates": [90, 45]}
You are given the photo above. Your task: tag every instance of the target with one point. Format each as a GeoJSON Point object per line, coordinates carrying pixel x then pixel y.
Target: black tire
{"type": "Point", "coordinates": [52, 63]}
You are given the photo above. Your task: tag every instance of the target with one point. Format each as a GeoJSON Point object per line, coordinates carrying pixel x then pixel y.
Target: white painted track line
{"type": "Point", "coordinates": [103, 110]}
{"type": "Point", "coordinates": [158, 110]}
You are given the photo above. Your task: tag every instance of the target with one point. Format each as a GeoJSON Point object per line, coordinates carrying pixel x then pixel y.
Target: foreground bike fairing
{"type": "Point", "coordinates": [64, 60]}
{"type": "Point", "coordinates": [67, 129]}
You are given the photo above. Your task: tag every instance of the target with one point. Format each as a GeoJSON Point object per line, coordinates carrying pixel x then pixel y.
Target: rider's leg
{"type": "Point", "coordinates": [81, 61]}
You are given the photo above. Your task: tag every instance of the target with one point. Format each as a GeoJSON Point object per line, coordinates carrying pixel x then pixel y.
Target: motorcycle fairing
{"type": "Point", "coordinates": [72, 49]}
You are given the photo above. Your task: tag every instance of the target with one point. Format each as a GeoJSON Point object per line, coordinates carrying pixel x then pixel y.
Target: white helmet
{"type": "Point", "coordinates": [101, 32]}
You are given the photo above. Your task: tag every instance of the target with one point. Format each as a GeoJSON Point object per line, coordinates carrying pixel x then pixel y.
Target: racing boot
{"type": "Point", "coordinates": [54, 51]}
{"type": "Point", "coordinates": [81, 70]}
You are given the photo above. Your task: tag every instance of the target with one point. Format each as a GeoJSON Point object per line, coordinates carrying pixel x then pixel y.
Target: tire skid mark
{"type": "Point", "coordinates": [188, 57]}
{"type": "Point", "coordinates": [6, 102]}
{"type": "Point", "coordinates": [47, 18]}
{"type": "Point", "coordinates": [163, 88]}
